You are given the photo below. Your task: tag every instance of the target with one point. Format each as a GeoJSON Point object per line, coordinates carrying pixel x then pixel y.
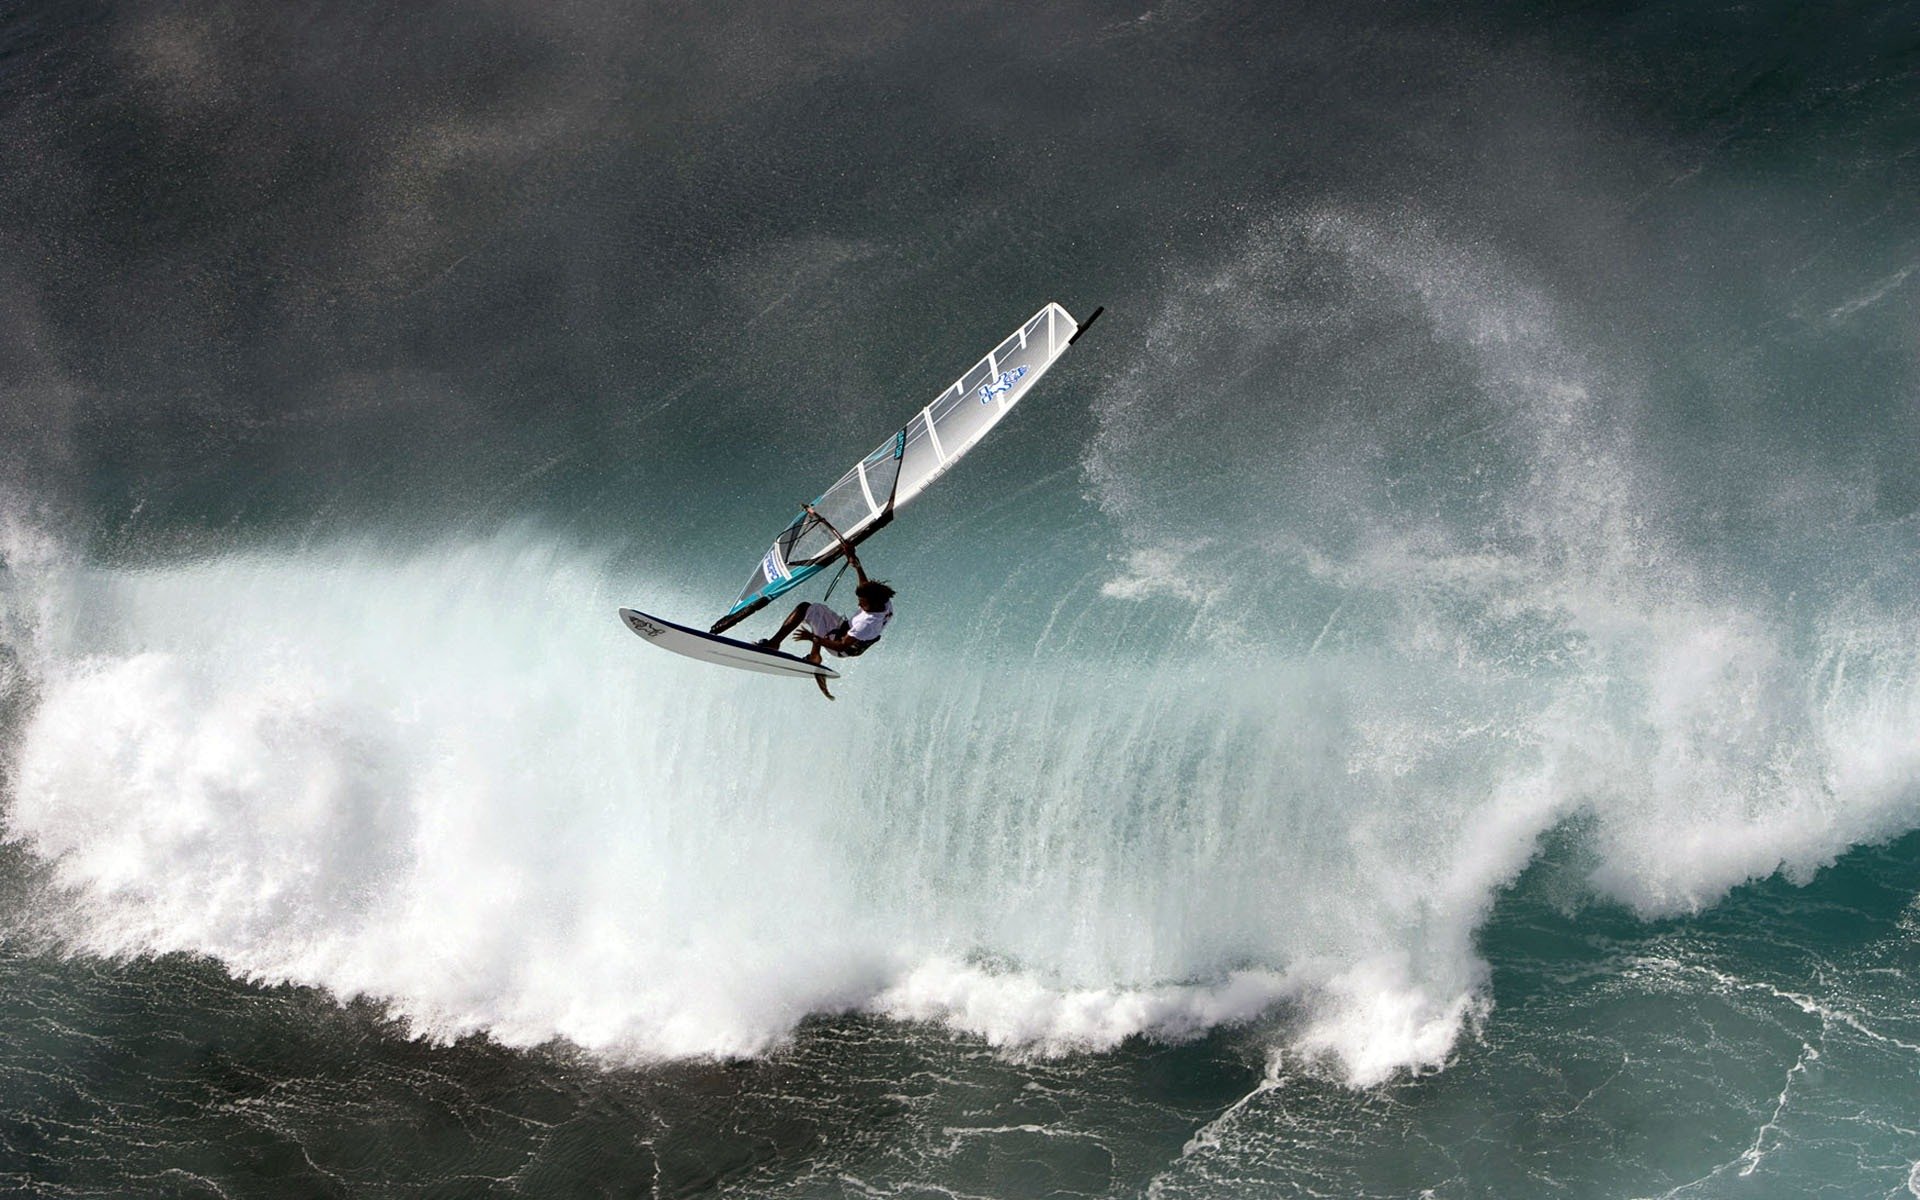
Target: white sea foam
{"type": "Point", "coordinates": [445, 775]}
{"type": "Point", "coordinates": [451, 780]}
{"type": "Point", "coordinates": [1018, 1011]}
{"type": "Point", "coordinates": [338, 768]}
{"type": "Point", "coordinates": [1552, 645]}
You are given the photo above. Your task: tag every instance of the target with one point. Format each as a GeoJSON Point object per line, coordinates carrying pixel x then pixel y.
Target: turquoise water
{"type": "Point", "coordinates": [1423, 700]}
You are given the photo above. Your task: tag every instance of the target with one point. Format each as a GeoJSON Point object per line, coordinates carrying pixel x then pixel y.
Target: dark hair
{"type": "Point", "coordinates": [874, 592]}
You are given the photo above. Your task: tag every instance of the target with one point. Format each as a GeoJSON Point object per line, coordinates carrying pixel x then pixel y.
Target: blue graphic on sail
{"type": "Point", "coordinates": [1003, 384]}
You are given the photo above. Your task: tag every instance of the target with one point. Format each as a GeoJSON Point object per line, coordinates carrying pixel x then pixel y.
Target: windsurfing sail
{"type": "Point", "coordinates": [900, 468]}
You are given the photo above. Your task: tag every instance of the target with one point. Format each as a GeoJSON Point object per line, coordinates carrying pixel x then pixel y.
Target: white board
{"type": "Point", "coordinates": [710, 647]}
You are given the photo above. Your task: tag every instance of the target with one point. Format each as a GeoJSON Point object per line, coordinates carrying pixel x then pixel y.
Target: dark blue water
{"type": "Point", "coordinates": [1423, 700]}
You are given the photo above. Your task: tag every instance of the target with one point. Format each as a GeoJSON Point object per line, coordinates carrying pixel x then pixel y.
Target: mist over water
{"type": "Point", "coordinates": [1462, 592]}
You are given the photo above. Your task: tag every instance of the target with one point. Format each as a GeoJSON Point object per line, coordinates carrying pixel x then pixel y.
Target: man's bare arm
{"type": "Point", "coordinates": [837, 644]}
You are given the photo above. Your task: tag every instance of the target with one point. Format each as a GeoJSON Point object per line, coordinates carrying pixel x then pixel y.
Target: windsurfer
{"type": "Point", "coordinates": [830, 632]}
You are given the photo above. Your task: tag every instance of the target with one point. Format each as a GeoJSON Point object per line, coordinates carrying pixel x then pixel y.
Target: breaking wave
{"type": "Point", "coordinates": [1343, 667]}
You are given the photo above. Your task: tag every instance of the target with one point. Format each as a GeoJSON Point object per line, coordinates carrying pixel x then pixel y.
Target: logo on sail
{"type": "Point", "coordinates": [989, 390]}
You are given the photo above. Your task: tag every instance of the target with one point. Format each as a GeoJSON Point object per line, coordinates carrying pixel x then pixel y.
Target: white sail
{"type": "Point", "coordinates": [902, 467]}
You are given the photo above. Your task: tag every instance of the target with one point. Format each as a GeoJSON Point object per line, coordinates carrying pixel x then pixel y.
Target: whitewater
{"type": "Point", "coordinates": [1424, 700]}
{"type": "Point", "coordinates": [440, 776]}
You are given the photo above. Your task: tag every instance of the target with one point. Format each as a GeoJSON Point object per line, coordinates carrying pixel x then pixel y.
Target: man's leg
{"type": "Point", "coordinates": [814, 656]}
{"type": "Point", "coordinates": [787, 627]}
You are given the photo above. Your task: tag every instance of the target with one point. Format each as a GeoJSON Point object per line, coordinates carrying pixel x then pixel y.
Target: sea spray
{"type": "Point", "coordinates": [337, 768]}
{"type": "Point", "coordinates": [447, 778]}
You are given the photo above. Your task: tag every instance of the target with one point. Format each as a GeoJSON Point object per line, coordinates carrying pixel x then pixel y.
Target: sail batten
{"type": "Point", "coordinates": [900, 468]}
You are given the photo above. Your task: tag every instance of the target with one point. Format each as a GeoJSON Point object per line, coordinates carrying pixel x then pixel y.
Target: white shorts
{"type": "Point", "coordinates": [823, 620]}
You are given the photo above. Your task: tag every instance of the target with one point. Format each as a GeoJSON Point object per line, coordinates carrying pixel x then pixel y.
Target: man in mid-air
{"type": "Point", "coordinates": [827, 629]}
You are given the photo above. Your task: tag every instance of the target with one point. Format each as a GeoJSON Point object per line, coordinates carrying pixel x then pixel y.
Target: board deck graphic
{"type": "Point", "coordinates": [711, 647]}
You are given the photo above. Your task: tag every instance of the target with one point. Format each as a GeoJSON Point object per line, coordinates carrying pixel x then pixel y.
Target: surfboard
{"type": "Point", "coordinates": [711, 647]}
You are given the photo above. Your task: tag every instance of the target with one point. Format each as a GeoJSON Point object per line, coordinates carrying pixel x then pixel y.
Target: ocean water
{"type": "Point", "coordinates": [1424, 701]}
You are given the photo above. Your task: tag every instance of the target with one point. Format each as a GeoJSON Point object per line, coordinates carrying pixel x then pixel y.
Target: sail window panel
{"type": "Point", "coordinates": [762, 573]}
{"type": "Point", "coordinates": [920, 462]}
{"type": "Point", "coordinates": [844, 505]}
{"type": "Point", "coordinates": [755, 582]}
{"type": "Point", "coordinates": [883, 465]}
